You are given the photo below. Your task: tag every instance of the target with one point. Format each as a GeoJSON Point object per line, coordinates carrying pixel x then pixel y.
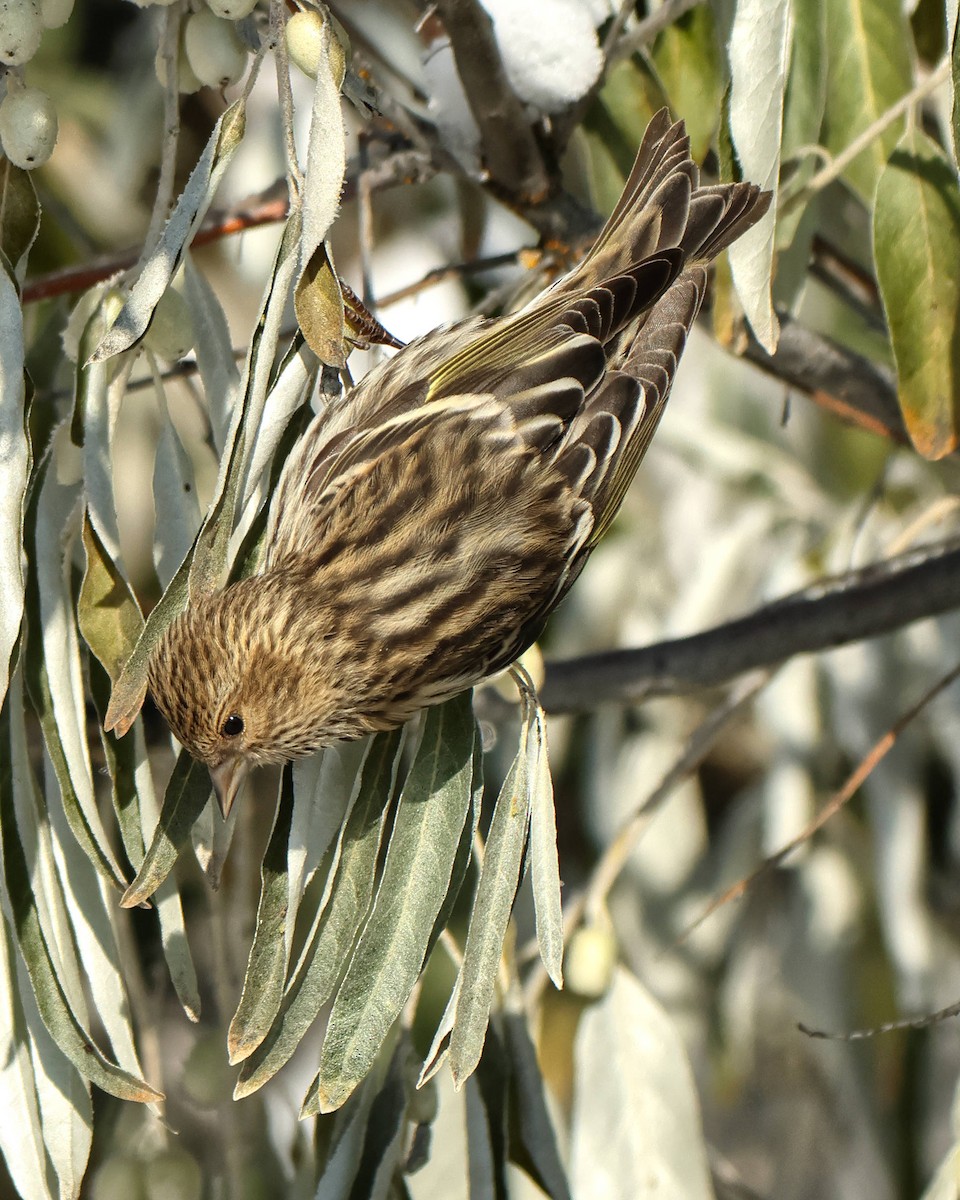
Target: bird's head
{"type": "Point", "coordinates": [227, 677]}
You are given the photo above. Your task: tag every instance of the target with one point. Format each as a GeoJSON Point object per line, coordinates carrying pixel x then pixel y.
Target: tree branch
{"type": "Point", "coordinates": [848, 608]}
{"type": "Point", "coordinates": [510, 150]}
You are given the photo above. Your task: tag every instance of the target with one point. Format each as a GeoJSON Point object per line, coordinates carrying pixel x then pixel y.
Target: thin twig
{"type": "Point", "coordinates": [841, 161]}
{"type": "Point", "coordinates": [877, 752]}
{"type": "Point", "coordinates": [590, 902]}
{"type": "Point", "coordinates": [860, 604]}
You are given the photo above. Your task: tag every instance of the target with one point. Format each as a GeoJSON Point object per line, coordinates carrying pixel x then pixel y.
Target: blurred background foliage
{"type": "Point", "coordinates": [672, 1062]}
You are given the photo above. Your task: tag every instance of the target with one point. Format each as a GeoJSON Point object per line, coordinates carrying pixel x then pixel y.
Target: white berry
{"type": "Point", "coordinates": [232, 10]}
{"type": "Point", "coordinates": [55, 13]}
{"type": "Point", "coordinates": [21, 27]}
{"type": "Point", "coordinates": [28, 127]}
{"type": "Point", "coordinates": [214, 49]}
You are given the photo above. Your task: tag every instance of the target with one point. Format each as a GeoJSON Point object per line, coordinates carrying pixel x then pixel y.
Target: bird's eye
{"type": "Point", "coordinates": [232, 726]}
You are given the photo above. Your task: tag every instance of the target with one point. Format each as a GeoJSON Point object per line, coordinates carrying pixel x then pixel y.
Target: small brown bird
{"type": "Point", "coordinates": [424, 528]}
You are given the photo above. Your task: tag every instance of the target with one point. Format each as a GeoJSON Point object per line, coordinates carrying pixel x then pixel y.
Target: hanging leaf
{"type": "Point", "coordinates": [433, 807]}
{"type": "Point", "coordinates": [19, 216]}
{"type": "Point", "coordinates": [156, 272]}
{"type": "Point", "coordinates": [916, 235]}
{"type": "Point", "coordinates": [107, 611]}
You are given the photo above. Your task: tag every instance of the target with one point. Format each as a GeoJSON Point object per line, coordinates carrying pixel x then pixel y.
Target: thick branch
{"type": "Point", "coordinates": [510, 150]}
{"type": "Point", "coordinates": [849, 608]}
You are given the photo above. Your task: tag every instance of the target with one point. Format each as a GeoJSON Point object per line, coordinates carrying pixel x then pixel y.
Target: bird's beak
{"type": "Point", "coordinates": [227, 780]}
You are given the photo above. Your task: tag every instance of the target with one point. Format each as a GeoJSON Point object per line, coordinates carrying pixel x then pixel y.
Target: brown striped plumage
{"type": "Point", "coordinates": [423, 529]}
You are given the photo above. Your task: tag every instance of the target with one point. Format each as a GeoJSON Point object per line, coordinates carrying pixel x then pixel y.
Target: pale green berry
{"type": "Point", "coordinates": [21, 27]}
{"type": "Point", "coordinates": [307, 42]}
{"type": "Point", "coordinates": [28, 127]}
{"type": "Point", "coordinates": [214, 49]}
{"type": "Point", "coordinates": [170, 335]}
{"type": "Point", "coordinates": [232, 10]}
{"type": "Point", "coordinates": [55, 13]}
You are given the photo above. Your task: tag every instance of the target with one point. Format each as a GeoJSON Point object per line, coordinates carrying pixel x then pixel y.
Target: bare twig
{"type": "Point", "coordinates": [861, 604]}
{"type": "Point", "coordinates": [877, 752]}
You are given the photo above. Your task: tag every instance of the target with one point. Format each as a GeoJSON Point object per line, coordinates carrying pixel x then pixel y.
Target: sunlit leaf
{"type": "Point", "coordinates": [161, 264]}
{"type": "Point", "coordinates": [759, 50]}
{"type": "Point", "coordinates": [635, 1131]}
{"type": "Point", "coordinates": [319, 307]}
{"type": "Point", "coordinates": [868, 70]}
{"type": "Point", "coordinates": [916, 246]}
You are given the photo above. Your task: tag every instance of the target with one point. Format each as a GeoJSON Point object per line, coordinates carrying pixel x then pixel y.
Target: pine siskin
{"type": "Point", "coordinates": [423, 530]}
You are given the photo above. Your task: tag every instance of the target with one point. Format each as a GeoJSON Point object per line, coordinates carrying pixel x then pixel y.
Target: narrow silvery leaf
{"type": "Point", "coordinates": [629, 1059]}
{"type": "Point", "coordinates": [433, 807]}
{"type": "Point", "coordinates": [166, 899]}
{"type": "Point", "coordinates": [326, 153]}
{"type": "Point", "coordinates": [211, 558]}
{"type": "Point", "coordinates": [318, 299]}
{"type": "Point", "coordinates": [759, 50]}
{"type": "Point", "coordinates": [14, 470]}
{"type": "Point", "coordinates": [21, 1139]}
{"type": "Point", "coordinates": [544, 861]}
{"type": "Point", "coordinates": [215, 358]}
{"type": "Point", "coordinates": [295, 381]}
{"type": "Point", "coordinates": [161, 265]}
{"type": "Point", "coordinates": [91, 911]}
{"type": "Point", "coordinates": [328, 944]}
{"type": "Point", "coordinates": [267, 962]}
{"type": "Point", "coordinates": [323, 789]}
{"type": "Point", "coordinates": [52, 655]}
{"type": "Point", "coordinates": [492, 906]}
{"type": "Point", "coordinates": [175, 504]}
{"type": "Point", "coordinates": [440, 1046]}
{"type": "Point", "coordinates": [102, 395]}
{"type": "Point", "coordinates": [43, 968]}
{"type": "Point", "coordinates": [187, 793]}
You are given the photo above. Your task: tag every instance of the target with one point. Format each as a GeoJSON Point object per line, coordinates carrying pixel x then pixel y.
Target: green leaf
{"type": "Point", "coordinates": [759, 50]}
{"type": "Point", "coordinates": [187, 793]}
{"type": "Point", "coordinates": [15, 463]}
{"type": "Point", "coordinates": [334, 931]}
{"type": "Point", "coordinates": [868, 70]}
{"type": "Point", "coordinates": [107, 611]}
{"type": "Point", "coordinates": [433, 806]}
{"type": "Point", "coordinates": [318, 302]}
{"type": "Point", "coordinates": [19, 215]}
{"type": "Point", "coordinates": [160, 266]}
{"type": "Point", "coordinates": [687, 58]}
{"type": "Point", "coordinates": [492, 906]}
{"type": "Point", "coordinates": [916, 234]}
